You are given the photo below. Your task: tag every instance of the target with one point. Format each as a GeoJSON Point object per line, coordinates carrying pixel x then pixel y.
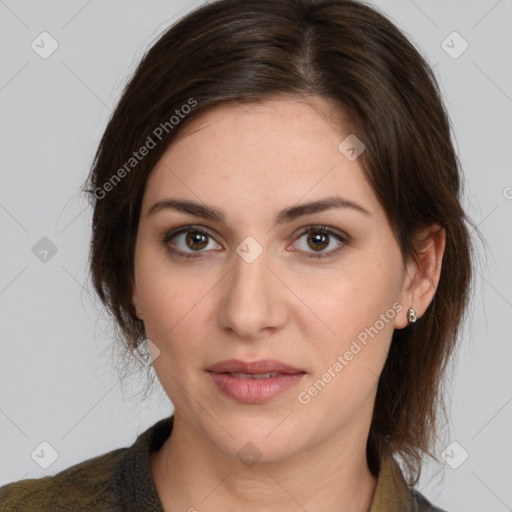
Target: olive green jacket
{"type": "Point", "coordinates": [121, 481]}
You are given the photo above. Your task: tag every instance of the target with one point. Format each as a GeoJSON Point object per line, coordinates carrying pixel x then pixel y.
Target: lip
{"type": "Point", "coordinates": [260, 366]}
{"type": "Point", "coordinates": [254, 391]}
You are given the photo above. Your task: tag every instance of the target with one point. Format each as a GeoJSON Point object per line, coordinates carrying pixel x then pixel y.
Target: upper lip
{"type": "Point", "coordinates": [254, 367]}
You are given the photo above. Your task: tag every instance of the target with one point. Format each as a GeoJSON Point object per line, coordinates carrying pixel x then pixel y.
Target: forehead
{"type": "Point", "coordinates": [270, 153]}
{"type": "Point", "coordinates": [261, 121]}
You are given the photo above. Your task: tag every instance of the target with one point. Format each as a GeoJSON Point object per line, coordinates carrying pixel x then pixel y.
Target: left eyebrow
{"type": "Point", "coordinates": [292, 213]}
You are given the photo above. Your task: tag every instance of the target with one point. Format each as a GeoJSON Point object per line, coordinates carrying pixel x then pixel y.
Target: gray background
{"type": "Point", "coordinates": [58, 380]}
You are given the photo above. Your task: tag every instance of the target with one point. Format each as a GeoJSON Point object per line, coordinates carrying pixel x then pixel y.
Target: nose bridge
{"type": "Point", "coordinates": [252, 300]}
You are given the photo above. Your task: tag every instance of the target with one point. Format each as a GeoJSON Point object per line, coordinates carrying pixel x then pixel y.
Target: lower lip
{"type": "Point", "coordinates": [255, 391]}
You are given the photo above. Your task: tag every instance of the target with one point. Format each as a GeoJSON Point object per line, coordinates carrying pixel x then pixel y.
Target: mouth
{"type": "Point", "coordinates": [251, 368]}
{"type": "Point", "coordinates": [253, 375]}
{"type": "Point", "coordinates": [254, 382]}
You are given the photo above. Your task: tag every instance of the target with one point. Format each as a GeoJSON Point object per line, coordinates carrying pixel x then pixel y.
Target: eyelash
{"type": "Point", "coordinates": [325, 230]}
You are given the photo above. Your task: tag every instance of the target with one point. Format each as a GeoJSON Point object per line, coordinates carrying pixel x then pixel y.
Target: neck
{"type": "Point", "coordinates": [193, 475]}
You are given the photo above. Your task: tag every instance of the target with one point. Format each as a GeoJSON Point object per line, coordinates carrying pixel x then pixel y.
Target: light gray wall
{"type": "Point", "coordinates": [57, 382]}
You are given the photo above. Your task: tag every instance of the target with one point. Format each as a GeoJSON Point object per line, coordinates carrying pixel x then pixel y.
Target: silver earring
{"type": "Point", "coordinates": [412, 315]}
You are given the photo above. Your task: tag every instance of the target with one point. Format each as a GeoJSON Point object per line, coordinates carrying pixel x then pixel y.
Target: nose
{"type": "Point", "coordinates": [253, 303]}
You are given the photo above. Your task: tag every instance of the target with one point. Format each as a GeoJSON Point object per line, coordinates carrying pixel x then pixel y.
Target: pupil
{"type": "Point", "coordinates": [319, 239]}
{"type": "Point", "coordinates": [194, 239]}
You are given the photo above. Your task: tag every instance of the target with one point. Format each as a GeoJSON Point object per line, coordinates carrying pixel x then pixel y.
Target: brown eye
{"type": "Point", "coordinates": [316, 239]}
{"type": "Point", "coordinates": [196, 240]}
{"type": "Point", "coordinates": [189, 241]}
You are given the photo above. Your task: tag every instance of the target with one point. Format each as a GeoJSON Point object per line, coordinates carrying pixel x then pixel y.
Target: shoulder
{"type": "Point", "coordinates": [82, 487]}
{"type": "Point", "coordinates": [393, 492]}
{"type": "Point", "coordinates": [117, 481]}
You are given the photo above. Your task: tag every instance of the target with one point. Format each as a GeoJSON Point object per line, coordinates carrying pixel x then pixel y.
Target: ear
{"type": "Point", "coordinates": [423, 273]}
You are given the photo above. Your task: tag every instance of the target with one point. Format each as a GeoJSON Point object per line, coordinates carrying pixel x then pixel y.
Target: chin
{"type": "Point", "coordinates": [265, 438]}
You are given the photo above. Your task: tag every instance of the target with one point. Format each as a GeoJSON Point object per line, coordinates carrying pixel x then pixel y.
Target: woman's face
{"type": "Point", "coordinates": [257, 286]}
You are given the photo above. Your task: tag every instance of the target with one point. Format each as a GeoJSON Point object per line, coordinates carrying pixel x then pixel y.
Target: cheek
{"type": "Point", "coordinates": [175, 304]}
{"type": "Point", "coordinates": [174, 320]}
{"type": "Point", "coordinates": [173, 325]}
{"type": "Point", "coordinates": [348, 360]}
{"type": "Point", "coordinates": [359, 308]}
{"type": "Point", "coordinates": [356, 298]}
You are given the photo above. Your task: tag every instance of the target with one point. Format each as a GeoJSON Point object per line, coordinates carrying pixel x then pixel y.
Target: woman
{"type": "Point", "coordinates": [277, 220]}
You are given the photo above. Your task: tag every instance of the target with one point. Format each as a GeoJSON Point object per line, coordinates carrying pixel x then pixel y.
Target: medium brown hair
{"type": "Point", "coordinates": [343, 51]}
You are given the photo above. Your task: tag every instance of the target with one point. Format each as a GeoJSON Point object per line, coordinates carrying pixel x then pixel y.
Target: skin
{"type": "Point", "coordinates": [249, 162]}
